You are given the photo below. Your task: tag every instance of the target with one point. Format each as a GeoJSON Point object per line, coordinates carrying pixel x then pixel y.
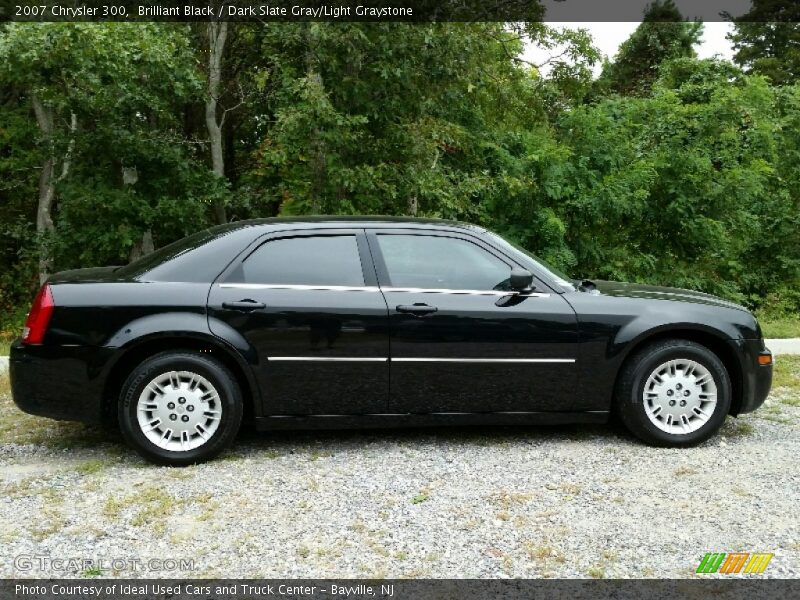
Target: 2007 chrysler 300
{"type": "Point", "coordinates": [342, 322]}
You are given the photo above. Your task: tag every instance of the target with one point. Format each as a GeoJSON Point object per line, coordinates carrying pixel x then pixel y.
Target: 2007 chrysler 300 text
{"type": "Point", "coordinates": [342, 322]}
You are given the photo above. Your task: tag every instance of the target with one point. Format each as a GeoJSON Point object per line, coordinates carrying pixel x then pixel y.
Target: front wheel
{"type": "Point", "coordinates": [674, 393]}
{"type": "Point", "coordinates": [180, 408]}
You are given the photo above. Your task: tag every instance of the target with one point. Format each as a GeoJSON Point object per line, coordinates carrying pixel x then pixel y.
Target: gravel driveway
{"type": "Point", "coordinates": [583, 501]}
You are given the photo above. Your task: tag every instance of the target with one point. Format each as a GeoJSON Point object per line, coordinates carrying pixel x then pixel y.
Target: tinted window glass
{"type": "Point", "coordinates": [423, 261]}
{"type": "Point", "coordinates": [198, 258]}
{"type": "Point", "coordinates": [323, 260]}
{"type": "Point", "coordinates": [165, 254]}
{"type": "Point", "coordinates": [558, 276]}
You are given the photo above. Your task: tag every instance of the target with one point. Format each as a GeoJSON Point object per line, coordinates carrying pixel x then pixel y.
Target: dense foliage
{"type": "Point", "coordinates": [767, 40]}
{"type": "Point", "coordinates": [685, 173]}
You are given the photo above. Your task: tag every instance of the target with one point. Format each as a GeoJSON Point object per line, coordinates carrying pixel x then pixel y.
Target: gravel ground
{"type": "Point", "coordinates": [583, 501]}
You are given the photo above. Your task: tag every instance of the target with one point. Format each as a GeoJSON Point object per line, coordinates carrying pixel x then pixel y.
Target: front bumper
{"type": "Point", "coordinates": [60, 382]}
{"type": "Point", "coordinates": [756, 378]}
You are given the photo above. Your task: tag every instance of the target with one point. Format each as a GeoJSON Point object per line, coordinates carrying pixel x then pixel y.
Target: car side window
{"type": "Point", "coordinates": [441, 262]}
{"type": "Point", "coordinates": [309, 260]}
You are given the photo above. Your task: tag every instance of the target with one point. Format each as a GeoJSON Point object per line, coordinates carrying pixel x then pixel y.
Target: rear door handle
{"type": "Point", "coordinates": [244, 305]}
{"type": "Point", "coordinates": [419, 309]}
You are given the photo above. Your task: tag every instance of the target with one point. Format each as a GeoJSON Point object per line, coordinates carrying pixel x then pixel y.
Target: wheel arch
{"type": "Point", "coordinates": [134, 353]}
{"type": "Point", "coordinates": [714, 342]}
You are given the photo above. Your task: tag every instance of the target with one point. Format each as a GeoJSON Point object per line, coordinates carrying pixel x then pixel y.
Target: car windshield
{"type": "Point", "coordinates": [555, 274]}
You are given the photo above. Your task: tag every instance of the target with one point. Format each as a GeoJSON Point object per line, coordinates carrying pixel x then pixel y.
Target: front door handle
{"type": "Point", "coordinates": [418, 309]}
{"type": "Point", "coordinates": [244, 305]}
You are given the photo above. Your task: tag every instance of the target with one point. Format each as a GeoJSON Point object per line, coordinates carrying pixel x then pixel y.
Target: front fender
{"type": "Point", "coordinates": [611, 328]}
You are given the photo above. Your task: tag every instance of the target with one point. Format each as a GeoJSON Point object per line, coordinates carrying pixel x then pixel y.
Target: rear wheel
{"type": "Point", "coordinates": [674, 393]}
{"type": "Point", "coordinates": [180, 408]}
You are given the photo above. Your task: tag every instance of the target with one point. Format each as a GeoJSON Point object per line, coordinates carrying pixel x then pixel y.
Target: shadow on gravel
{"type": "Point", "coordinates": [326, 442]}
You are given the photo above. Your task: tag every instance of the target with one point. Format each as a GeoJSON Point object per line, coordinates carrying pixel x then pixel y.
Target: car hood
{"type": "Point", "coordinates": [655, 292]}
{"type": "Point", "coordinates": [91, 275]}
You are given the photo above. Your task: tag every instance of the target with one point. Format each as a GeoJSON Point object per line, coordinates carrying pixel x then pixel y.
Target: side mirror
{"type": "Point", "coordinates": [521, 280]}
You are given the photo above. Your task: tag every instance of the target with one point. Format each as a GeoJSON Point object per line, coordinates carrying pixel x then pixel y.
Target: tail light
{"type": "Point", "coordinates": [38, 317]}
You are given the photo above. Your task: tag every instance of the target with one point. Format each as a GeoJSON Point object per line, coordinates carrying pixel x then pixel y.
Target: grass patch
{"type": "Point", "coordinates": [420, 498]}
{"type": "Point", "coordinates": [735, 428]}
{"type": "Point", "coordinates": [151, 506]}
{"type": "Point", "coordinates": [7, 336]}
{"type": "Point", "coordinates": [597, 572]}
{"type": "Point", "coordinates": [780, 327]}
{"type": "Point", "coordinates": [543, 553]}
{"type": "Point", "coordinates": [787, 373]}
{"type": "Point", "coordinates": [777, 419]}
{"type": "Point", "coordinates": [684, 470]}
{"type": "Point", "coordinates": [90, 467]}
{"type": "Point", "coordinates": [50, 521]}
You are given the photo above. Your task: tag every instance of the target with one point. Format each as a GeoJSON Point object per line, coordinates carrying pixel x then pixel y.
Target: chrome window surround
{"type": "Point", "coordinates": [461, 292]}
{"type": "Point", "coordinates": [281, 286]}
{"type": "Point", "coordinates": [370, 288]}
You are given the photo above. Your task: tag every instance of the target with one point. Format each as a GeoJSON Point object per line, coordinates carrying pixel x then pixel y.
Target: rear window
{"type": "Point", "coordinates": [199, 258]}
{"type": "Point", "coordinates": [167, 253]}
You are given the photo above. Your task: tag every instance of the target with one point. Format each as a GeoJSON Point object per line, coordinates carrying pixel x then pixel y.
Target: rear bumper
{"type": "Point", "coordinates": [60, 382]}
{"type": "Point", "coordinates": [756, 379]}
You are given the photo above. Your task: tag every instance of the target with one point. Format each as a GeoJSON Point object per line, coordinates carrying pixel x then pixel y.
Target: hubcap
{"type": "Point", "coordinates": [680, 396]}
{"type": "Point", "coordinates": [179, 410]}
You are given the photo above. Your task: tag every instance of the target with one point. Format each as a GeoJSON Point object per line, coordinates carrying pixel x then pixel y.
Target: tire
{"type": "Point", "coordinates": [657, 379]}
{"type": "Point", "coordinates": [195, 400]}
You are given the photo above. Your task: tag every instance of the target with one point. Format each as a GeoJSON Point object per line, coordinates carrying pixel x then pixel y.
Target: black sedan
{"type": "Point", "coordinates": [366, 322]}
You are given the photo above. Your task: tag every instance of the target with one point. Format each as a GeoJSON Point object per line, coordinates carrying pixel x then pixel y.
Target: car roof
{"type": "Point", "coordinates": [347, 221]}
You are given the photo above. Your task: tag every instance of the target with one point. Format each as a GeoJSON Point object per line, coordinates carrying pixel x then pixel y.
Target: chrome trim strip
{"type": "Point", "coordinates": [448, 360]}
{"type": "Point", "coordinates": [279, 286]}
{"type": "Point", "coordinates": [461, 292]}
{"type": "Point", "coordinates": [326, 358]}
{"type": "Point", "coordinates": [487, 360]}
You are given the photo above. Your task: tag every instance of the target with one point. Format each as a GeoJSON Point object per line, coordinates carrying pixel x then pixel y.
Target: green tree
{"type": "Point", "coordinates": [663, 35]}
{"type": "Point", "coordinates": [104, 100]}
{"type": "Point", "coordinates": [682, 188]}
{"type": "Point", "coordinates": [767, 40]}
{"type": "Point", "coordinates": [688, 177]}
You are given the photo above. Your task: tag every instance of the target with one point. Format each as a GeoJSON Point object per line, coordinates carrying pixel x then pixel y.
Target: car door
{"type": "Point", "coordinates": [461, 341]}
{"type": "Point", "coordinates": [308, 306]}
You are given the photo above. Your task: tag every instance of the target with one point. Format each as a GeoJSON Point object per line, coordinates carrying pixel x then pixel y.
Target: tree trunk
{"type": "Point", "coordinates": [318, 166]}
{"type": "Point", "coordinates": [48, 179]}
{"type": "Point", "coordinates": [413, 206]}
{"type": "Point", "coordinates": [143, 246]}
{"type": "Point", "coordinates": [217, 34]}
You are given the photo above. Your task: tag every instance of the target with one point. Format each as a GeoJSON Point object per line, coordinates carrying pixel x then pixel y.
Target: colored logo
{"type": "Point", "coordinates": [735, 562]}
